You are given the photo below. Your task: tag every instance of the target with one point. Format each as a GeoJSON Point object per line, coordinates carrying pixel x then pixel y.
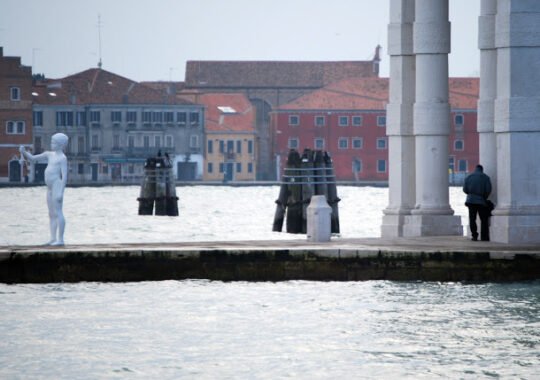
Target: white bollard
{"type": "Point", "coordinates": [318, 219]}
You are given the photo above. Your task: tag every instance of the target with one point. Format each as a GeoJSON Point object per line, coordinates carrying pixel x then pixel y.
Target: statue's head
{"type": "Point", "coordinates": [60, 140]}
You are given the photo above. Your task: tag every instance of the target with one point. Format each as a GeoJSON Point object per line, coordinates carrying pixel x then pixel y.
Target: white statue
{"type": "Point", "coordinates": [55, 179]}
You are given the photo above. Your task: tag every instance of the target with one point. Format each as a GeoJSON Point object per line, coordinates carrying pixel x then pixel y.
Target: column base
{"type": "Point", "coordinates": [432, 225]}
{"type": "Point", "coordinates": [515, 229]}
{"type": "Point", "coordinates": [392, 225]}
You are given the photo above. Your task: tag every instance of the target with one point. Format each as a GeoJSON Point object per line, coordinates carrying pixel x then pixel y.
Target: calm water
{"type": "Point", "coordinates": [299, 330]}
{"type": "Point", "coordinates": [207, 213]}
{"type": "Point", "coordinates": [215, 330]}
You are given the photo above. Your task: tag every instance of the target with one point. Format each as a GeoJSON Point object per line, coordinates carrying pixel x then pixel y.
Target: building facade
{"type": "Point", "coordinates": [230, 150]}
{"type": "Point", "coordinates": [15, 116]}
{"type": "Point", "coordinates": [113, 125]}
{"type": "Point", "coordinates": [269, 85]}
{"type": "Point", "coordinates": [348, 120]}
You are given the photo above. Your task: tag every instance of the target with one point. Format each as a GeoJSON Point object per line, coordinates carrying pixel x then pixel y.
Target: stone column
{"type": "Point", "coordinates": [488, 91]}
{"type": "Point", "coordinates": [399, 118]}
{"type": "Point", "coordinates": [517, 122]}
{"type": "Point", "coordinates": [432, 215]}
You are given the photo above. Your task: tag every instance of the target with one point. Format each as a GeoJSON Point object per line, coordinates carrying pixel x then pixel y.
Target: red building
{"type": "Point", "coordinates": [15, 115]}
{"type": "Point", "coordinates": [348, 119]}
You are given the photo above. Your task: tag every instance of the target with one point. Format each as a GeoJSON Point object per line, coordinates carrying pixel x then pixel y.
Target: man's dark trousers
{"type": "Point", "coordinates": [483, 212]}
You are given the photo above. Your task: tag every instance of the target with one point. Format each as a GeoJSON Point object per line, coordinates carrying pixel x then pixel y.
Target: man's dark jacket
{"type": "Point", "coordinates": [477, 186]}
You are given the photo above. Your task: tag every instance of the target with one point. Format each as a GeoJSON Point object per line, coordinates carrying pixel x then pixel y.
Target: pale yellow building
{"type": "Point", "coordinates": [230, 148]}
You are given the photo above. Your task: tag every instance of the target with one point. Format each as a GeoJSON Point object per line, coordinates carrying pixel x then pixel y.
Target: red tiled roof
{"type": "Point", "coordinates": [271, 74]}
{"type": "Point", "coordinates": [372, 94]}
{"type": "Point", "coordinates": [219, 120]}
{"type": "Point", "coordinates": [97, 86]}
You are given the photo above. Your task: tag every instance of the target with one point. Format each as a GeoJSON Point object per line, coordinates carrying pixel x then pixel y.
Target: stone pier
{"type": "Point", "coordinates": [402, 259]}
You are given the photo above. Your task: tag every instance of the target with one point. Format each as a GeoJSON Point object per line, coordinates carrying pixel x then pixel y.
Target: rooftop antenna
{"type": "Point", "coordinates": [99, 25]}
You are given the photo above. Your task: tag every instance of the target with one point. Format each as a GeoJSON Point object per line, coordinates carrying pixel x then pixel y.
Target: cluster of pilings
{"type": "Point", "coordinates": [158, 188]}
{"type": "Point", "coordinates": [305, 176]}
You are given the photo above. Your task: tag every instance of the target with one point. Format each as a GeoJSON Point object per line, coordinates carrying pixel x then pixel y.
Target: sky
{"type": "Point", "coordinates": [152, 40]}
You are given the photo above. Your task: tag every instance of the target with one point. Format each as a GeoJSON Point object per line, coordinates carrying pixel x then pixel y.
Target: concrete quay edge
{"type": "Point", "coordinates": [448, 258]}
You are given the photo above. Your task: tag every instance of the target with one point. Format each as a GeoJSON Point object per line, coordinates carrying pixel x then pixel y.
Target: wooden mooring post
{"type": "Point", "coordinates": [305, 176]}
{"type": "Point", "coordinates": [158, 188]}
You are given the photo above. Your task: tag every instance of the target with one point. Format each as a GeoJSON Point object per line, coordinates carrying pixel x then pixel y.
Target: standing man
{"type": "Point", "coordinates": [477, 186]}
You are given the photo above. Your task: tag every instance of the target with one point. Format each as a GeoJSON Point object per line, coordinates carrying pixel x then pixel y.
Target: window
{"type": "Point", "coordinates": [15, 128]}
{"type": "Point", "coordinates": [320, 121]}
{"type": "Point", "coordinates": [147, 117]}
{"type": "Point", "coordinates": [458, 145]}
{"type": "Point", "coordinates": [462, 165]}
{"type": "Point", "coordinates": [294, 120]}
{"type": "Point", "coordinates": [221, 146]}
{"type": "Point", "coordinates": [210, 167]}
{"type": "Point", "coordinates": [250, 147]}
{"type": "Point", "coordinates": [343, 121]}
{"type": "Point", "coordinates": [131, 116]}
{"type": "Point", "coordinates": [381, 143]}
{"type": "Point", "coordinates": [293, 143]}
{"type": "Point", "coordinates": [451, 163]}
{"type": "Point", "coordinates": [194, 118]}
{"type": "Point", "coordinates": [116, 116]}
{"type": "Point", "coordinates": [230, 146]}
{"type": "Point", "coordinates": [181, 117]}
{"type": "Point", "coordinates": [194, 141]}
{"type": "Point", "coordinates": [381, 166]}
{"type": "Point", "coordinates": [157, 117]}
{"type": "Point", "coordinates": [221, 167]}
{"type": "Point", "coordinates": [37, 118]}
{"type": "Point", "coordinates": [250, 167]}
{"type": "Point", "coordinates": [239, 167]}
{"type": "Point", "coordinates": [80, 169]}
{"type": "Point", "coordinates": [169, 117]}
{"type": "Point", "coordinates": [169, 141]}
{"type": "Point", "coordinates": [238, 146]}
{"type": "Point", "coordinates": [343, 143]}
{"type": "Point", "coordinates": [459, 119]}
{"type": "Point", "coordinates": [318, 143]}
{"type": "Point", "coordinates": [80, 119]}
{"type": "Point", "coordinates": [95, 142]}
{"type": "Point", "coordinates": [146, 141]}
{"type": "Point", "coordinates": [15, 93]}
{"type": "Point", "coordinates": [116, 141]}
{"type": "Point", "coordinates": [357, 142]}
{"type": "Point", "coordinates": [157, 141]}
{"type": "Point", "coordinates": [80, 145]}
{"type": "Point", "coordinates": [381, 121]}
{"type": "Point", "coordinates": [131, 141]}
{"type": "Point", "coordinates": [357, 121]}
{"type": "Point", "coordinates": [64, 119]}
{"type": "Point", "coordinates": [95, 116]}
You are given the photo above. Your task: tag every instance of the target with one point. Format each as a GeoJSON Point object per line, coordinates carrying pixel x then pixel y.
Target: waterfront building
{"type": "Point", "coordinates": [114, 124]}
{"type": "Point", "coordinates": [269, 85]}
{"type": "Point", "coordinates": [15, 116]}
{"type": "Point", "coordinates": [348, 119]}
{"type": "Point", "coordinates": [230, 150]}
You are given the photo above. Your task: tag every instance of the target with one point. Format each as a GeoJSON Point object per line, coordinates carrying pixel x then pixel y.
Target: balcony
{"type": "Point", "coordinates": [143, 152]}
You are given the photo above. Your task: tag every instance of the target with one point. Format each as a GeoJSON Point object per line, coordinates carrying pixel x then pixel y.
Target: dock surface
{"type": "Point", "coordinates": [449, 258]}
